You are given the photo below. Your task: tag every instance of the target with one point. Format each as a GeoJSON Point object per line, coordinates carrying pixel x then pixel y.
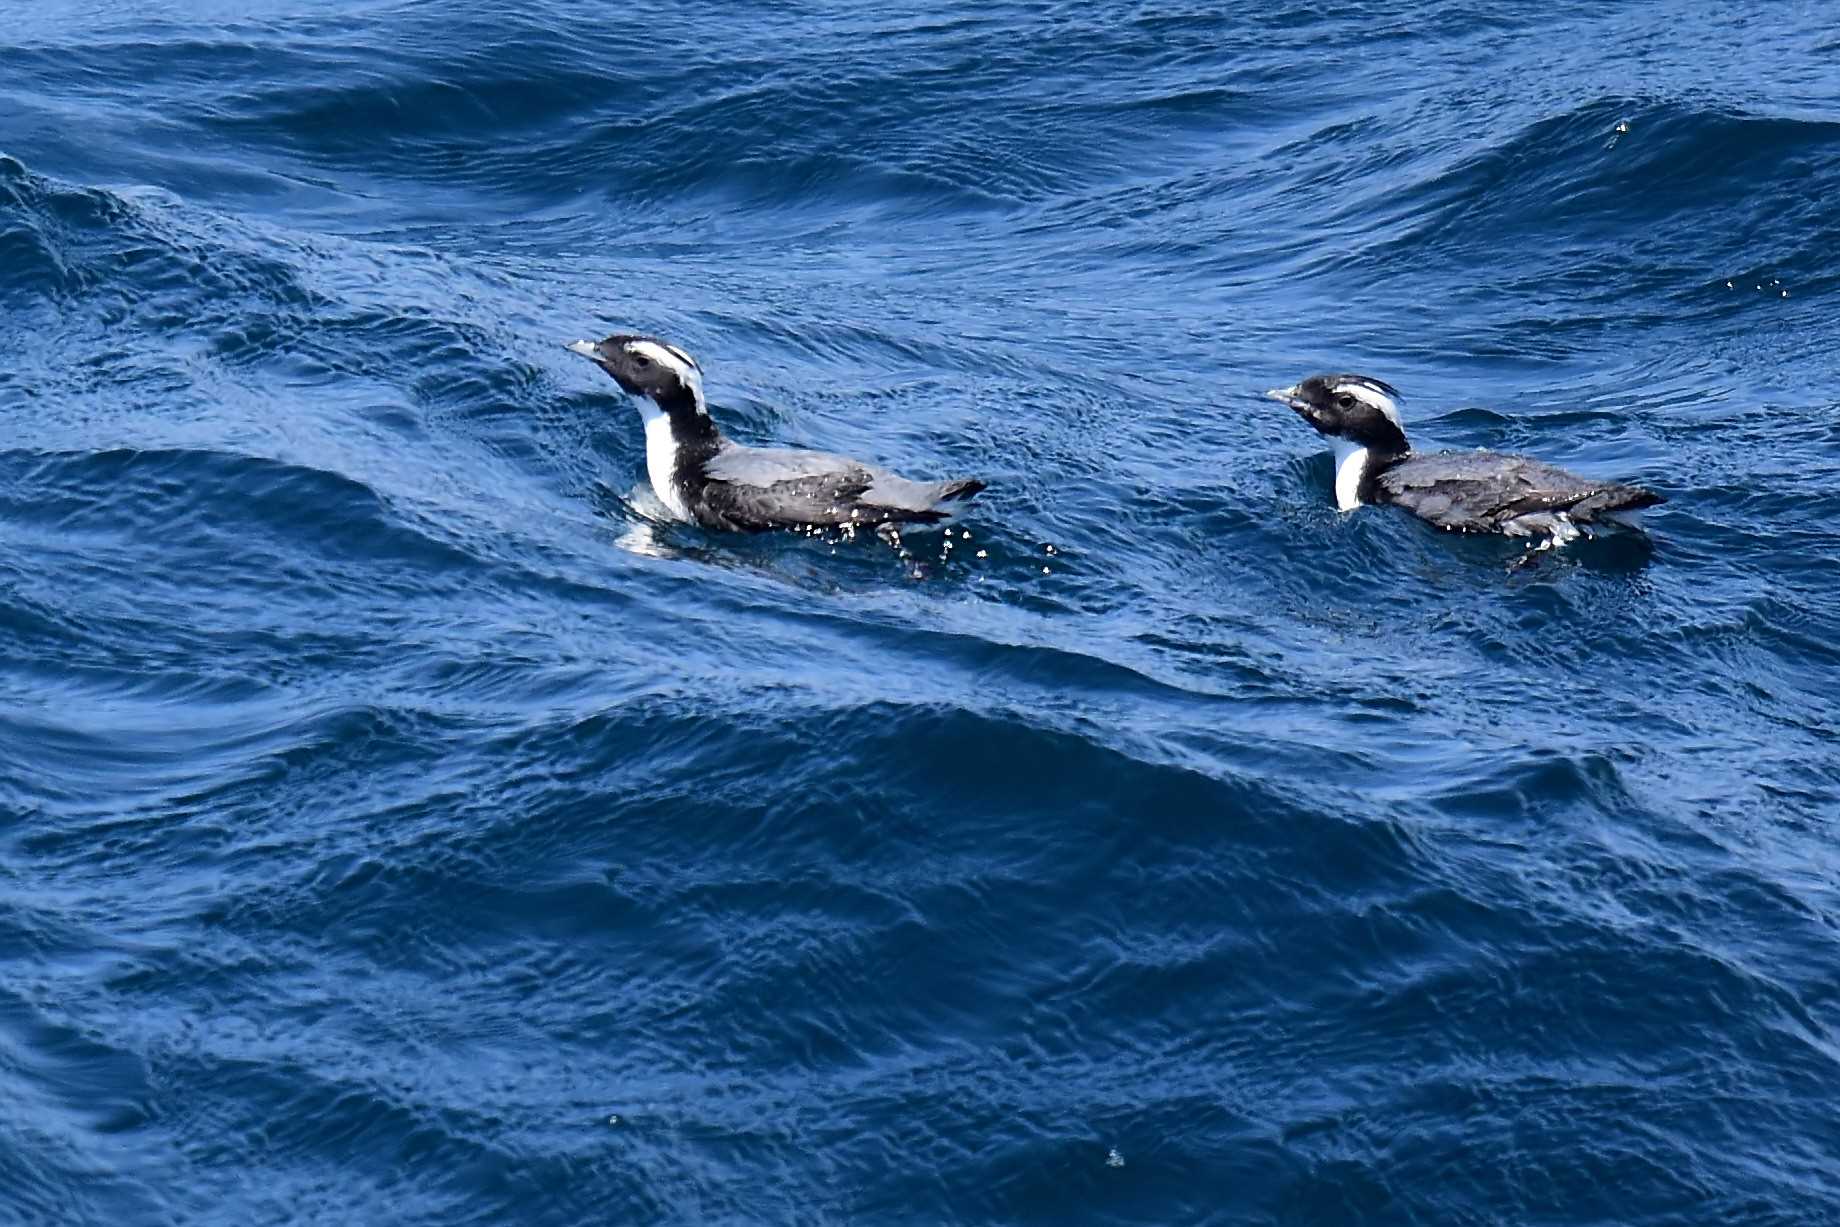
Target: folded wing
{"type": "Point", "coordinates": [761, 488]}
{"type": "Point", "coordinates": [1487, 491]}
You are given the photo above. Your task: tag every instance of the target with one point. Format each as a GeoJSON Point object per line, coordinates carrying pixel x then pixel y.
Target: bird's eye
{"type": "Point", "coordinates": [1344, 401]}
{"type": "Point", "coordinates": [641, 360]}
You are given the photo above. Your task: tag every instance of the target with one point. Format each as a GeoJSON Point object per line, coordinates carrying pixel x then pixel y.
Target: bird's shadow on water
{"type": "Point", "coordinates": [1612, 553]}
{"type": "Point", "coordinates": [1398, 553]}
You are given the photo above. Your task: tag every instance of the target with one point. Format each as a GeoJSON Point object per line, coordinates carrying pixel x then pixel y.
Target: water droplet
{"type": "Point", "coordinates": [1728, 285]}
{"type": "Point", "coordinates": [1113, 1158]}
{"type": "Point", "coordinates": [1785, 293]}
{"type": "Point", "coordinates": [983, 554]}
{"type": "Point", "coordinates": [614, 1119]}
{"type": "Point", "coordinates": [1045, 571]}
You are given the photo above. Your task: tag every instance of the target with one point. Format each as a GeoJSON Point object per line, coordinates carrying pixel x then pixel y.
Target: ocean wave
{"type": "Point", "coordinates": [1662, 200]}
{"type": "Point", "coordinates": [404, 823]}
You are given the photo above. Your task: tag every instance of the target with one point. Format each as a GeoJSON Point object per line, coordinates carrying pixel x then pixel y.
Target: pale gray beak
{"type": "Point", "coordinates": [1288, 396]}
{"type": "Point", "coordinates": [587, 349]}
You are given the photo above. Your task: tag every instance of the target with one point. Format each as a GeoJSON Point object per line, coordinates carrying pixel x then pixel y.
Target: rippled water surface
{"type": "Point", "coordinates": [399, 825]}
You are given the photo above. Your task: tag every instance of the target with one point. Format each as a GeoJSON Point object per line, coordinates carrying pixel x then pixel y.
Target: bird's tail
{"type": "Point", "coordinates": [1615, 498]}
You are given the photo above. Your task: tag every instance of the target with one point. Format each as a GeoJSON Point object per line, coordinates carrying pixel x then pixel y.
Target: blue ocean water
{"type": "Point", "coordinates": [398, 826]}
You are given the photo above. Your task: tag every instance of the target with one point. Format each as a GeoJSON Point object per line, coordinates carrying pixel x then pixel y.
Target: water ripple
{"type": "Point", "coordinates": [400, 822]}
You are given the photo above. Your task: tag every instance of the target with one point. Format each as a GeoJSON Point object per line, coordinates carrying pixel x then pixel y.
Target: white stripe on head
{"type": "Point", "coordinates": [1375, 397]}
{"type": "Point", "coordinates": [677, 360]}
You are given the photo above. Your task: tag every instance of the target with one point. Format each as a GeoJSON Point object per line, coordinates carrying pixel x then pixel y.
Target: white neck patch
{"type": "Point", "coordinates": [1350, 467]}
{"type": "Point", "coordinates": [661, 458]}
{"type": "Point", "coordinates": [674, 359]}
{"type": "Point", "coordinates": [1376, 398]}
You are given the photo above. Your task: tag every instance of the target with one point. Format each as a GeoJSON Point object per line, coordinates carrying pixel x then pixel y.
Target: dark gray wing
{"type": "Point", "coordinates": [1482, 491]}
{"type": "Point", "coordinates": [762, 487]}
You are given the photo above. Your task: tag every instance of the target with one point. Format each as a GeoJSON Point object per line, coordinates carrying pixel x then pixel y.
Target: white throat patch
{"type": "Point", "coordinates": [661, 458]}
{"type": "Point", "coordinates": [1350, 467]}
{"type": "Point", "coordinates": [674, 359]}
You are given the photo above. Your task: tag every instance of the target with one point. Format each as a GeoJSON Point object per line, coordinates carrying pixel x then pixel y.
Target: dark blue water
{"type": "Point", "coordinates": [397, 827]}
